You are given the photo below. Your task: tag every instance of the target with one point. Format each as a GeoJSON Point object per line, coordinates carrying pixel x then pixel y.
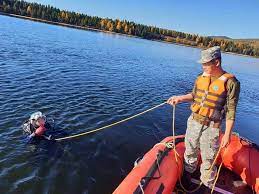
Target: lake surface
{"type": "Point", "coordinates": [84, 80]}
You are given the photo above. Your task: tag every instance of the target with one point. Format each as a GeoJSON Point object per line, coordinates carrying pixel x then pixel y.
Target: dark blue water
{"type": "Point", "coordinates": [85, 80]}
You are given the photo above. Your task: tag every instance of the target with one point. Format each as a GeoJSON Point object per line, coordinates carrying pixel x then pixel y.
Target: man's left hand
{"type": "Point", "coordinates": [225, 140]}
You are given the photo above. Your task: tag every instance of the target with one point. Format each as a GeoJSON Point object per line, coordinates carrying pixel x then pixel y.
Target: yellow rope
{"type": "Point", "coordinates": [173, 126]}
{"type": "Point", "coordinates": [107, 126]}
{"type": "Point", "coordinates": [216, 179]}
{"type": "Point", "coordinates": [189, 191]}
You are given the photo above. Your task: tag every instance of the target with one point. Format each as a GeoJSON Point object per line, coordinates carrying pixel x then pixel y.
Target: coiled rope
{"type": "Point", "coordinates": [110, 125]}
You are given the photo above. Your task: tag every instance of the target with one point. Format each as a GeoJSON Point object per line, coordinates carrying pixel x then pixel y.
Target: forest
{"type": "Point", "coordinates": [52, 14]}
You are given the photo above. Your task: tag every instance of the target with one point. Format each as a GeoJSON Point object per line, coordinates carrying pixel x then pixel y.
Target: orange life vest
{"type": "Point", "coordinates": [210, 97]}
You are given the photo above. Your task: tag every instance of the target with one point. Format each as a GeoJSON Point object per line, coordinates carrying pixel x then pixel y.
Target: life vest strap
{"type": "Point", "coordinates": [219, 101]}
{"type": "Point", "coordinates": [203, 104]}
{"type": "Point", "coordinates": [222, 96]}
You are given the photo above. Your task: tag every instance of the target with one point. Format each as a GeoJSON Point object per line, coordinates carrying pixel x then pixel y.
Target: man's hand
{"type": "Point", "coordinates": [174, 100]}
{"type": "Point", "coordinates": [177, 99]}
{"type": "Point", "coordinates": [225, 140]}
{"type": "Point", "coordinates": [226, 137]}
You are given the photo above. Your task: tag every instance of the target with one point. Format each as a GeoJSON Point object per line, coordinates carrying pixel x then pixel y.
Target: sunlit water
{"type": "Point", "coordinates": [85, 80]}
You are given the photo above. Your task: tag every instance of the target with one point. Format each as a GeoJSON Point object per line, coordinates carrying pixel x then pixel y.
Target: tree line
{"type": "Point", "coordinates": [49, 13]}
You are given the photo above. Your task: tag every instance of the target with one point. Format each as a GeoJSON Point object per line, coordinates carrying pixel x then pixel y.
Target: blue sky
{"type": "Point", "coordinates": [233, 18]}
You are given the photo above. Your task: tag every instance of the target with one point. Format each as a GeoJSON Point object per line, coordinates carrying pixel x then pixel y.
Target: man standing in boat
{"type": "Point", "coordinates": [214, 97]}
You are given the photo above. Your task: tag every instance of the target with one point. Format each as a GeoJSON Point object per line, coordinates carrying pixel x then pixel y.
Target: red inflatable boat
{"type": "Point", "coordinates": [160, 169]}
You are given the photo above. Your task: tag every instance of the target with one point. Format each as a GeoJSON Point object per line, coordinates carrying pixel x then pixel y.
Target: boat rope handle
{"type": "Point", "coordinates": [110, 125]}
{"type": "Point", "coordinates": [141, 188]}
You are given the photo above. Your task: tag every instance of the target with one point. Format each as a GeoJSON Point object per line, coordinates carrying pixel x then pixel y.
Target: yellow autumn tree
{"type": "Point", "coordinates": [126, 29]}
{"type": "Point", "coordinates": [178, 40]}
{"type": "Point", "coordinates": [66, 17]}
{"type": "Point", "coordinates": [29, 10]}
{"type": "Point", "coordinates": [111, 28]}
{"type": "Point", "coordinates": [123, 24]}
{"type": "Point", "coordinates": [103, 23]}
{"type": "Point", "coordinates": [152, 30]}
{"type": "Point", "coordinates": [108, 25]}
{"type": "Point", "coordinates": [118, 27]}
{"type": "Point", "coordinates": [63, 15]}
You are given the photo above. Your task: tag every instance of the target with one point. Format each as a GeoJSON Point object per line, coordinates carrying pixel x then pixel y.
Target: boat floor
{"type": "Point", "coordinates": [227, 183]}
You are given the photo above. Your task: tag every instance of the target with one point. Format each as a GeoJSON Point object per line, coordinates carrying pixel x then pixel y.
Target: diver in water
{"type": "Point", "coordinates": [37, 126]}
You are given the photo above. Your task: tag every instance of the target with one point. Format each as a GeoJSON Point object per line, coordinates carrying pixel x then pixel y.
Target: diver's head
{"type": "Point", "coordinates": [38, 119]}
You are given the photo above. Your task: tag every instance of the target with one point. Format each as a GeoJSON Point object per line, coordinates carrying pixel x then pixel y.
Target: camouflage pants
{"type": "Point", "coordinates": [205, 139]}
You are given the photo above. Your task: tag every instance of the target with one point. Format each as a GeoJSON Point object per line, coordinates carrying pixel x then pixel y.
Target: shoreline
{"type": "Point", "coordinates": [108, 32]}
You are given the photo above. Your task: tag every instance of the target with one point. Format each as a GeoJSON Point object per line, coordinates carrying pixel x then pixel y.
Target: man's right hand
{"type": "Point", "coordinates": [174, 100]}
